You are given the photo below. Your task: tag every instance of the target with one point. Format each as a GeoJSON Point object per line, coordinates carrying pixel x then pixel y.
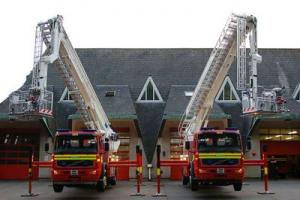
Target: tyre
{"type": "Point", "coordinates": [102, 183]}
{"type": "Point", "coordinates": [112, 181]}
{"type": "Point", "coordinates": [237, 186]}
{"type": "Point", "coordinates": [58, 188]}
{"type": "Point", "coordinates": [194, 181]}
{"type": "Point", "coordinates": [185, 180]}
{"type": "Point", "coordinates": [194, 184]}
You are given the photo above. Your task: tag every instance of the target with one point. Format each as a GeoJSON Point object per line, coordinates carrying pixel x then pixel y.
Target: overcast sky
{"type": "Point", "coordinates": [135, 24]}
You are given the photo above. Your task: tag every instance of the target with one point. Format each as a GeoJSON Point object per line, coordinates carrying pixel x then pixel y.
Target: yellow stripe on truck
{"type": "Point", "coordinates": [219, 155]}
{"type": "Point", "coordinates": [75, 157]}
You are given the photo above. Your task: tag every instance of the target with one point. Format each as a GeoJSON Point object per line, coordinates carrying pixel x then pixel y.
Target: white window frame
{"type": "Point", "coordinates": [232, 88]}
{"type": "Point", "coordinates": [155, 91]}
{"type": "Point", "coordinates": [62, 98]}
{"type": "Point", "coordinates": [296, 91]}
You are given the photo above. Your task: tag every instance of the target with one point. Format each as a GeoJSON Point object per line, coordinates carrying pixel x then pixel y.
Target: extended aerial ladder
{"type": "Point", "coordinates": [231, 43]}
{"type": "Point", "coordinates": [52, 46]}
{"type": "Point", "coordinates": [216, 156]}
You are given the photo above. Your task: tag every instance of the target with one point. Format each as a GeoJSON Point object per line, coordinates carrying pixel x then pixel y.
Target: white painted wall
{"type": "Point", "coordinates": [253, 171]}
{"type": "Point", "coordinates": [44, 156]}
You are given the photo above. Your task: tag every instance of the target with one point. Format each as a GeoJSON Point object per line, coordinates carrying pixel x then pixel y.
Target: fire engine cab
{"type": "Point", "coordinates": [218, 158]}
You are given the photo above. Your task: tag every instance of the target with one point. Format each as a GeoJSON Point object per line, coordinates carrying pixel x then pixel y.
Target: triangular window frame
{"type": "Point", "coordinates": [234, 97]}
{"type": "Point", "coordinates": [66, 97]}
{"type": "Point", "coordinates": [296, 93]}
{"type": "Point", "coordinates": [155, 97]}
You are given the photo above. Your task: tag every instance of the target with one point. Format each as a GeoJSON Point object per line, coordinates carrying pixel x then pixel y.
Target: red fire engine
{"type": "Point", "coordinates": [216, 156]}
{"type": "Point", "coordinates": [79, 157]}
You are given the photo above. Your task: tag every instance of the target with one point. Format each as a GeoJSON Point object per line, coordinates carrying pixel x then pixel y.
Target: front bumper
{"type": "Point", "coordinates": [83, 176]}
{"type": "Point", "coordinates": [230, 176]}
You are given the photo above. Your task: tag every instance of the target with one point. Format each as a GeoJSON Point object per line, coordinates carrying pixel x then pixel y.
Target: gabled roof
{"type": "Point", "coordinates": [174, 70]}
{"type": "Point", "coordinates": [150, 120]}
{"type": "Point", "coordinates": [178, 101]}
{"type": "Point", "coordinates": [133, 66]}
{"type": "Point", "coordinates": [118, 106]}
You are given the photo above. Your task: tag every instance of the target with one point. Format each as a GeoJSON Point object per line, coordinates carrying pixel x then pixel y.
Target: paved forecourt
{"type": "Point", "coordinates": [284, 189]}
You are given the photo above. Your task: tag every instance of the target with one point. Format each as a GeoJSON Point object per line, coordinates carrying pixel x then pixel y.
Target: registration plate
{"type": "Point", "coordinates": [220, 171]}
{"type": "Point", "coordinates": [74, 172]}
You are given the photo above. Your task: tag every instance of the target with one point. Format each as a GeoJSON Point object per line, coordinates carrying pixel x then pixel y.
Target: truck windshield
{"type": "Point", "coordinates": [75, 144]}
{"type": "Point", "coordinates": [226, 142]}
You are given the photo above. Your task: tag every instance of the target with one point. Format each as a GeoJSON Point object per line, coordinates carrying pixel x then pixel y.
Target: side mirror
{"type": "Point", "coordinates": [106, 146]}
{"type": "Point", "coordinates": [264, 148]}
{"type": "Point", "coordinates": [187, 145]}
{"type": "Point", "coordinates": [46, 147]}
{"type": "Point", "coordinates": [249, 144]}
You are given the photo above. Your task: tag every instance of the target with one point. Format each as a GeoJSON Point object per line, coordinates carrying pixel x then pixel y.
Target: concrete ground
{"type": "Point", "coordinates": [284, 189]}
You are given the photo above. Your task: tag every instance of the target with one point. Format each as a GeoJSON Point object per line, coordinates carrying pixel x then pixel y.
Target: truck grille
{"type": "Point", "coordinates": [220, 161]}
{"type": "Point", "coordinates": [75, 163]}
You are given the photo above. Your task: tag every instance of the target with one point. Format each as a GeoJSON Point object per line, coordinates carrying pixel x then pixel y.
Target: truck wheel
{"type": "Point", "coordinates": [102, 183]}
{"type": "Point", "coordinates": [185, 180]}
{"type": "Point", "coordinates": [194, 181]}
{"type": "Point", "coordinates": [194, 185]}
{"type": "Point", "coordinates": [112, 180]}
{"type": "Point", "coordinates": [237, 186]}
{"type": "Point", "coordinates": [58, 188]}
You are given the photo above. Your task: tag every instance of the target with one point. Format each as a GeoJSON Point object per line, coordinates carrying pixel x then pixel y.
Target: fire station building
{"type": "Point", "coordinates": [144, 93]}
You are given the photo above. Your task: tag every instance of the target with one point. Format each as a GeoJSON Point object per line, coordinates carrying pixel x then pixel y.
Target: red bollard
{"type": "Point", "coordinates": [138, 172]}
{"type": "Point", "coordinates": [158, 173]}
{"type": "Point", "coordinates": [265, 175]}
{"type": "Point", "coordinates": [30, 176]}
{"type": "Point", "coordinates": [141, 167]}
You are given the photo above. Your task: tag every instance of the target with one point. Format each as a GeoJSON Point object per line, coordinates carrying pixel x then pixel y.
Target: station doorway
{"type": "Point", "coordinates": [283, 159]}
{"type": "Point", "coordinates": [15, 145]}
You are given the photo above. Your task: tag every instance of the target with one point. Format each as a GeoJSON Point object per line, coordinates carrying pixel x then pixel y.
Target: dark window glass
{"type": "Point", "coordinates": [226, 142]}
{"type": "Point", "coordinates": [150, 91]}
{"type": "Point", "coordinates": [221, 96]}
{"type": "Point", "coordinates": [227, 91]}
{"type": "Point", "coordinates": [76, 144]}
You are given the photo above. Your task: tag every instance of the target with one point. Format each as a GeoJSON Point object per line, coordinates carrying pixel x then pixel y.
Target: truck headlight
{"type": "Point", "coordinates": [202, 171]}
{"type": "Point", "coordinates": [55, 172]}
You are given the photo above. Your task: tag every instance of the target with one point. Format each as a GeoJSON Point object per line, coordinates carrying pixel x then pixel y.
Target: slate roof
{"type": "Point", "coordinates": [150, 120]}
{"type": "Point", "coordinates": [118, 106]}
{"type": "Point", "coordinates": [172, 70]}
{"type": "Point", "coordinates": [177, 102]}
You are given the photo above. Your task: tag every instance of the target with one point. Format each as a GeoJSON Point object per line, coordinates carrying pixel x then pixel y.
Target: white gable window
{"type": "Point", "coordinates": [296, 94]}
{"type": "Point", "coordinates": [66, 97]}
{"type": "Point", "coordinates": [227, 93]}
{"type": "Point", "coordinates": [150, 93]}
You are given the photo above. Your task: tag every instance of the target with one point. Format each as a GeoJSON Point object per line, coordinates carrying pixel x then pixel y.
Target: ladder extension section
{"type": "Point", "coordinates": [241, 54]}
{"type": "Point", "coordinates": [81, 89]}
{"type": "Point", "coordinates": [212, 77]}
{"type": "Point", "coordinates": [60, 51]}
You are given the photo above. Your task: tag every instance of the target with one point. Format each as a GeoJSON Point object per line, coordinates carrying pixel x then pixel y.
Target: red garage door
{"type": "Point", "coordinates": [282, 147]}
{"type": "Point", "coordinates": [122, 173]}
{"type": "Point", "coordinates": [176, 173]}
{"type": "Point", "coordinates": [14, 155]}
